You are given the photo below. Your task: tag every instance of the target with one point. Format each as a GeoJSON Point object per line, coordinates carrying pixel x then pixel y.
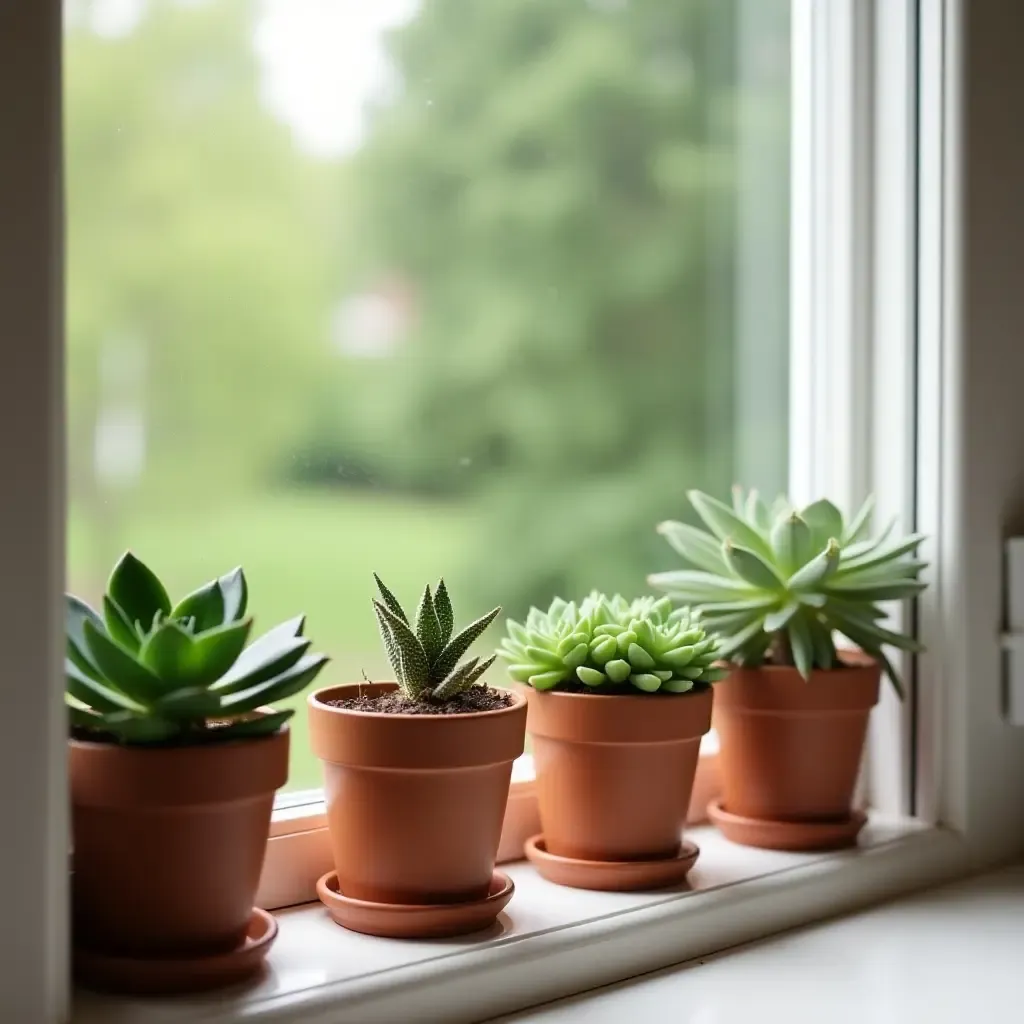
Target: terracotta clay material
{"type": "Point", "coordinates": [612, 875]}
{"type": "Point", "coordinates": [416, 921]}
{"type": "Point", "coordinates": [614, 773]}
{"type": "Point", "coordinates": [790, 749]}
{"type": "Point", "coordinates": [178, 975]}
{"type": "Point", "coordinates": [803, 836]}
{"type": "Point", "coordinates": [414, 802]}
{"type": "Point", "coordinates": [169, 843]}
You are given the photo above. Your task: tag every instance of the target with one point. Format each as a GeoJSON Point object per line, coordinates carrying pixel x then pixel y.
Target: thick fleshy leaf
{"type": "Point", "coordinates": [802, 645]}
{"type": "Point", "coordinates": [76, 613]}
{"type": "Point", "coordinates": [756, 511]}
{"type": "Point", "coordinates": [461, 642]}
{"type": "Point", "coordinates": [205, 605]}
{"type": "Point", "coordinates": [817, 570]}
{"type": "Point", "coordinates": [858, 527]}
{"type": "Point", "coordinates": [139, 729]}
{"type": "Point", "coordinates": [188, 704]}
{"type": "Point", "coordinates": [443, 608]}
{"type": "Point", "coordinates": [428, 629]}
{"type": "Point", "coordinates": [390, 647]}
{"type": "Point", "coordinates": [726, 525]}
{"type": "Point", "coordinates": [639, 658]}
{"type": "Point", "coordinates": [252, 728]}
{"type": "Point", "coordinates": [821, 642]}
{"type": "Point", "coordinates": [730, 644]}
{"type": "Point", "coordinates": [866, 628]}
{"type": "Point", "coordinates": [862, 547]}
{"type": "Point", "coordinates": [120, 667]}
{"type": "Point", "coordinates": [678, 686]}
{"type": "Point", "coordinates": [881, 556]}
{"type": "Point", "coordinates": [895, 591]}
{"type": "Point", "coordinates": [137, 590]}
{"type": "Point", "coordinates": [590, 676]}
{"type": "Point", "coordinates": [413, 659]}
{"type": "Point", "coordinates": [825, 522]}
{"type": "Point", "coordinates": [696, 546]}
{"type": "Point", "coordinates": [752, 567]}
{"type": "Point", "coordinates": [118, 624]}
{"type": "Point", "coordinates": [267, 663]}
{"type": "Point", "coordinates": [94, 693]}
{"type": "Point", "coordinates": [390, 600]}
{"type": "Point", "coordinates": [297, 678]}
{"type": "Point", "coordinates": [618, 671]}
{"type": "Point", "coordinates": [182, 659]}
{"type": "Point", "coordinates": [777, 619]}
{"type": "Point", "coordinates": [456, 681]}
{"type": "Point", "coordinates": [646, 681]}
{"type": "Point", "coordinates": [791, 541]}
{"type": "Point", "coordinates": [697, 587]}
{"type": "Point", "coordinates": [546, 680]}
{"type": "Point", "coordinates": [235, 591]}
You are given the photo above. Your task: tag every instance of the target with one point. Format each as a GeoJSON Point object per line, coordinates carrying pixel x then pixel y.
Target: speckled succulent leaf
{"type": "Point", "coordinates": [426, 657]}
{"type": "Point", "coordinates": [609, 642]}
{"type": "Point", "coordinates": [788, 580]}
{"type": "Point", "coordinates": [151, 673]}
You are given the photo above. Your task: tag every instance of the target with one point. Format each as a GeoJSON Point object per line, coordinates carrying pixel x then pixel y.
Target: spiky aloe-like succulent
{"type": "Point", "coordinates": [424, 654]}
{"type": "Point", "coordinates": [611, 642]}
{"type": "Point", "coordinates": [147, 671]}
{"type": "Point", "coordinates": [780, 582]}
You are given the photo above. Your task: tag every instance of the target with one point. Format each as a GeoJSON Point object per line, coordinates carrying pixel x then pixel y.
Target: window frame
{"type": "Point", "coordinates": [968, 764]}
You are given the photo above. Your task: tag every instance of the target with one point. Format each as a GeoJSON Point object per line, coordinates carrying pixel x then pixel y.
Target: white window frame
{"type": "Point", "coordinates": [962, 768]}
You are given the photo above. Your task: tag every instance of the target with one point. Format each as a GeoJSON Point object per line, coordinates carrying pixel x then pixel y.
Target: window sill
{"type": "Point", "coordinates": [555, 941]}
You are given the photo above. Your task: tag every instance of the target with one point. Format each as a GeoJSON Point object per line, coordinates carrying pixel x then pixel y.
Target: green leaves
{"type": "Point", "coordinates": [610, 642]}
{"type": "Point", "coordinates": [150, 673]}
{"type": "Point", "coordinates": [137, 591]}
{"type": "Point", "coordinates": [425, 656]}
{"type": "Point", "coordinates": [804, 574]}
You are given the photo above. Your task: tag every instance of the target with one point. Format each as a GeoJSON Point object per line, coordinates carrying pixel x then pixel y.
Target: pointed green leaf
{"type": "Point", "coordinates": [868, 631]}
{"type": "Point", "coordinates": [132, 728]}
{"type": "Point", "coordinates": [880, 557]}
{"type": "Point", "coordinates": [825, 522]}
{"type": "Point", "coordinates": [188, 704]}
{"type": "Point", "coordinates": [776, 620]}
{"type": "Point", "coordinates": [76, 612]}
{"type": "Point", "coordinates": [871, 592]}
{"type": "Point", "coordinates": [639, 658]}
{"type": "Point", "coordinates": [751, 567]}
{"type": "Point", "coordinates": [205, 605]}
{"type": "Point", "coordinates": [791, 541]}
{"type": "Point", "coordinates": [821, 643]}
{"type": "Point", "coordinates": [235, 592]}
{"type": "Point", "coordinates": [459, 644]}
{"type": "Point", "coordinates": [478, 672]}
{"type": "Point", "coordinates": [696, 587]}
{"type": "Point", "coordinates": [118, 625]}
{"type": "Point", "coordinates": [817, 570]}
{"type": "Point", "coordinates": [120, 667]}
{"type": "Point", "coordinates": [413, 659]}
{"type": "Point", "coordinates": [802, 645]}
{"type": "Point", "coordinates": [733, 642]}
{"type": "Point", "coordinates": [726, 525]}
{"type": "Point", "coordinates": [445, 615]}
{"type": "Point", "coordinates": [457, 681]}
{"type": "Point", "coordinates": [428, 628]}
{"type": "Point", "coordinates": [251, 669]}
{"type": "Point", "coordinates": [390, 647]}
{"type": "Point", "coordinates": [861, 523]}
{"type": "Point", "coordinates": [390, 600]}
{"type": "Point", "coordinates": [93, 693]}
{"type": "Point", "coordinates": [694, 545]}
{"type": "Point", "coordinates": [137, 590]}
{"type": "Point", "coordinates": [863, 547]}
{"type": "Point", "coordinates": [287, 684]}
{"type": "Point", "coordinates": [755, 511]}
{"type": "Point", "coordinates": [181, 659]}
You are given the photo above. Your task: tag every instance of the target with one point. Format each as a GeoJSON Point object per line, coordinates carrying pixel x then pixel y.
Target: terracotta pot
{"type": "Point", "coordinates": [169, 843]}
{"type": "Point", "coordinates": [790, 749]}
{"type": "Point", "coordinates": [414, 802]}
{"type": "Point", "coordinates": [614, 773]}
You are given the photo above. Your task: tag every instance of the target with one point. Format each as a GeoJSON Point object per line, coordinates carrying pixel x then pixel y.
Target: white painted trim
{"type": "Point", "coordinates": [560, 941]}
{"type": "Point", "coordinates": [33, 775]}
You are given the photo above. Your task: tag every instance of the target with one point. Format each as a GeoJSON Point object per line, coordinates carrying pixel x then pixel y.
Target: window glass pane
{"type": "Point", "coordinates": [466, 287]}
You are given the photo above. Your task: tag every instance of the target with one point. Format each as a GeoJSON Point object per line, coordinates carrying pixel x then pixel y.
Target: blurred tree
{"type": "Point", "coordinates": [197, 260]}
{"type": "Point", "coordinates": [555, 181]}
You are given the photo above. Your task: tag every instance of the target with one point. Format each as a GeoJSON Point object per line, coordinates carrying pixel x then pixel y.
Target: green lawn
{"type": "Point", "coordinates": [302, 552]}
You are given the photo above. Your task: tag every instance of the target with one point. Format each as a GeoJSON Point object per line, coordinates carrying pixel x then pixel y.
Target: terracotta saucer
{"type": "Point", "coordinates": [612, 875]}
{"type": "Point", "coordinates": [798, 836]}
{"type": "Point", "coordinates": [178, 975]}
{"type": "Point", "coordinates": [415, 921]}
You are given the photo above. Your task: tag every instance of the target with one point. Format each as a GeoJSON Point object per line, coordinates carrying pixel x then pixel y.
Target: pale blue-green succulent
{"type": "Point", "coordinates": [780, 582]}
{"type": "Point", "coordinates": [423, 654]}
{"type": "Point", "coordinates": [148, 671]}
{"type": "Point", "coordinates": [611, 643]}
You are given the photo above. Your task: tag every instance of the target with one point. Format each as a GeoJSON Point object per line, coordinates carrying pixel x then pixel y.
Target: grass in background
{"type": "Point", "coordinates": [311, 552]}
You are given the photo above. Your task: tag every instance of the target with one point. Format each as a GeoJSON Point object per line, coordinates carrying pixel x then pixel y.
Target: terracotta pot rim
{"type": "Point", "coordinates": [315, 700]}
{"type": "Point", "coordinates": [631, 697]}
{"type": "Point", "coordinates": [851, 660]}
{"type": "Point", "coordinates": [163, 748]}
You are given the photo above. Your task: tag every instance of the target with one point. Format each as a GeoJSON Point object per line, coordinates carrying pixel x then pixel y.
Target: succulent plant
{"type": "Point", "coordinates": [780, 582]}
{"type": "Point", "coordinates": [147, 671]}
{"type": "Point", "coordinates": [424, 655]}
{"type": "Point", "coordinates": [611, 642]}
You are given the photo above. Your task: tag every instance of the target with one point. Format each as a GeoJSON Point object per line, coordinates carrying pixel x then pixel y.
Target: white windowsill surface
{"type": "Point", "coordinates": [553, 941]}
